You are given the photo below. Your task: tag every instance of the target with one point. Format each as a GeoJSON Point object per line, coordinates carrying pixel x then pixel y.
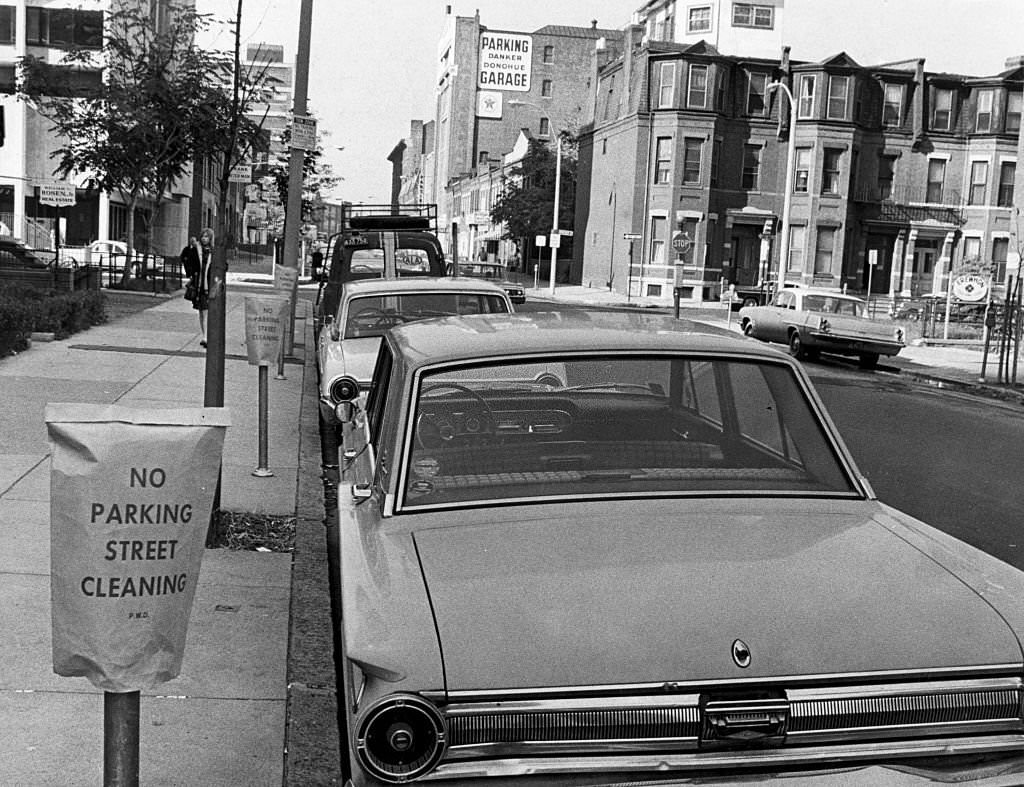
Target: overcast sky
{"type": "Point", "coordinates": [373, 62]}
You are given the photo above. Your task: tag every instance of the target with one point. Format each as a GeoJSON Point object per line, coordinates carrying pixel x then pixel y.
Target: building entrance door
{"type": "Point", "coordinates": [924, 266]}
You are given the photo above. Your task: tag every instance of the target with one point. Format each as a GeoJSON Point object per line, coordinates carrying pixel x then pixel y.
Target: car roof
{"type": "Point", "coordinates": [379, 286]}
{"type": "Point", "coordinates": [822, 291]}
{"type": "Point", "coordinates": [489, 335]}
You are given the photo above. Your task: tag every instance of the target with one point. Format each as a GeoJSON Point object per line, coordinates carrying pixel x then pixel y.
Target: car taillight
{"type": "Point", "coordinates": [401, 737]}
{"type": "Point", "coordinates": [344, 389]}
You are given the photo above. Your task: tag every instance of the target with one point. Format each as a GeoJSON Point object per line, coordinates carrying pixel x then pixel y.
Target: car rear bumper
{"type": "Point", "coordinates": [851, 345]}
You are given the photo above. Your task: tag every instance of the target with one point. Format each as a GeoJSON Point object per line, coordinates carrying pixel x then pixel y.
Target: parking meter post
{"type": "Point", "coordinates": [675, 300]}
{"type": "Point", "coordinates": [263, 471]}
{"type": "Point", "coordinates": [120, 739]}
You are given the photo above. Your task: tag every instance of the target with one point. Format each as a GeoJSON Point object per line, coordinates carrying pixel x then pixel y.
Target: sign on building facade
{"type": "Point", "coordinates": [505, 61]}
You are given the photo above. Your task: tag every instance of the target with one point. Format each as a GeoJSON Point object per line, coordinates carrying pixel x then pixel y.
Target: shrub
{"type": "Point", "coordinates": [24, 310]}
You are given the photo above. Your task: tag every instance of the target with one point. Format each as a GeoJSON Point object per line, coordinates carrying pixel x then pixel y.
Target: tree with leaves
{"type": "Point", "coordinates": [137, 130]}
{"type": "Point", "coordinates": [526, 203]}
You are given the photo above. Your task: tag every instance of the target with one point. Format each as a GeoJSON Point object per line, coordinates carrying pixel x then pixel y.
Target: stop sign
{"type": "Point", "coordinates": [682, 242]}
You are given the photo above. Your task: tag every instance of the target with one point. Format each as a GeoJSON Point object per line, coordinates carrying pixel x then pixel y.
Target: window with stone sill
{"type": "Point", "coordinates": [1007, 177]}
{"type": "Point", "coordinates": [936, 181]}
{"type": "Point", "coordinates": [805, 103]}
{"type": "Point", "coordinates": [838, 97]}
{"type": "Point", "coordinates": [666, 85]}
{"type": "Point", "coordinates": [830, 171]}
{"type": "Point", "coordinates": [802, 173]}
{"type": "Point", "coordinates": [979, 183]}
{"type": "Point", "coordinates": [751, 167]}
{"type": "Point", "coordinates": [983, 116]}
{"type": "Point", "coordinates": [892, 105]}
{"type": "Point", "coordinates": [691, 160]}
{"type": "Point", "coordinates": [545, 88]}
{"type": "Point", "coordinates": [942, 110]}
{"type": "Point", "coordinates": [697, 93]}
{"type": "Point", "coordinates": [663, 160]}
{"type": "Point", "coordinates": [751, 15]}
{"type": "Point", "coordinates": [1014, 103]}
{"type": "Point", "coordinates": [1000, 248]}
{"type": "Point", "coordinates": [698, 19]}
{"type": "Point", "coordinates": [757, 87]}
{"type": "Point", "coordinates": [824, 250]}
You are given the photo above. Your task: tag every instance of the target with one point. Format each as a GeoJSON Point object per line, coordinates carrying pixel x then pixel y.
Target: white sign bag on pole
{"type": "Point", "coordinates": [131, 493]}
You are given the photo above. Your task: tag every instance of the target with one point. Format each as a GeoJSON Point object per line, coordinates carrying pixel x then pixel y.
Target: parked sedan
{"type": "Point", "coordinates": [621, 548]}
{"type": "Point", "coordinates": [496, 273]}
{"type": "Point", "coordinates": [347, 347]}
{"type": "Point", "coordinates": [810, 321]}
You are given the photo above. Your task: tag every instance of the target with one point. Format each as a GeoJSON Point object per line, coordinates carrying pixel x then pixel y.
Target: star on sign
{"type": "Point", "coordinates": [489, 103]}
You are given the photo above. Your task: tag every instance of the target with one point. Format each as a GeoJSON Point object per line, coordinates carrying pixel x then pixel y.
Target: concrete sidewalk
{"type": "Point", "coordinates": [223, 720]}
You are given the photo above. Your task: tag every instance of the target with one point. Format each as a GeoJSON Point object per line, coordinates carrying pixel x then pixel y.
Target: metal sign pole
{"type": "Point", "coordinates": [263, 471]}
{"type": "Point", "coordinates": [120, 739]}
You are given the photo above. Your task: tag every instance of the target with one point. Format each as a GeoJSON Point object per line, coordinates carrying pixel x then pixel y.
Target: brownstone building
{"type": "Point", "coordinates": [684, 143]}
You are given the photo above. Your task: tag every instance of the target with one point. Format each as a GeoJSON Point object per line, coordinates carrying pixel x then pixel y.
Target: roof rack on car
{"type": "Point", "coordinates": [413, 217]}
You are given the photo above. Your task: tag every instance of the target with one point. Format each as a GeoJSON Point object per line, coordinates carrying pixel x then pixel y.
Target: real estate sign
{"type": "Point", "coordinates": [505, 61]}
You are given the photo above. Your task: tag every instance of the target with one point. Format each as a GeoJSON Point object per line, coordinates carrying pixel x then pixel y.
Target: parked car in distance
{"type": "Point", "coordinates": [376, 243]}
{"type": "Point", "coordinates": [810, 321]}
{"type": "Point", "coordinates": [496, 272]}
{"type": "Point", "coordinates": [347, 346]}
{"type": "Point", "coordinates": [627, 549]}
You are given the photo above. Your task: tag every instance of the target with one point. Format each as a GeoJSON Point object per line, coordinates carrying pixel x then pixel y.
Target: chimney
{"type": "Point", "coordinates": [632, 38]}
{"type": "Point", "coordinates": [920, 101]}
{"type": "Point", "coordinates": [593, 24]}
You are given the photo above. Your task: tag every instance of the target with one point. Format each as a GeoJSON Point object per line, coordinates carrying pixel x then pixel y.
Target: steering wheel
{"type": "Point", "coordinates": [372, 317]}
{"type": "Point", "coordinates": [433, 431]}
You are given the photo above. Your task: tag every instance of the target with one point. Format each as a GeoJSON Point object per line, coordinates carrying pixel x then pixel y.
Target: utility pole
{"type": "Point", "coordinates": [296, 161]}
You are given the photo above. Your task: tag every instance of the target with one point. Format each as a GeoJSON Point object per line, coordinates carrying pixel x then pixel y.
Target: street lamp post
{"type": "Point", "coordinates": [787, 198]}
{"type": "Point", "coordinates": [558, 181]}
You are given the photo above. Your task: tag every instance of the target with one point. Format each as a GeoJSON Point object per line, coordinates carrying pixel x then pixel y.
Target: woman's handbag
{"type": "Point", "coordinates": [190, 290]}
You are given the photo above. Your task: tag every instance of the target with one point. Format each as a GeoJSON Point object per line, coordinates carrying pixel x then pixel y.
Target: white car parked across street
{"type": "Point", "coordinates": [810, 321]}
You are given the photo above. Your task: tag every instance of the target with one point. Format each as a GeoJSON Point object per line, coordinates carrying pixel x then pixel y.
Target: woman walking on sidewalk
{"type": "Point", "coordinates": [197, 258]}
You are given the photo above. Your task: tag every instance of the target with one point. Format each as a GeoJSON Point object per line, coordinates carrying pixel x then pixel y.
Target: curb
{"type": "Point", "coordinates": [1012, 395]}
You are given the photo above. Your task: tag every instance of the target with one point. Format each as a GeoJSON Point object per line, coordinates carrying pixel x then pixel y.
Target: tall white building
{"type": "Point", "coordinates": [752, 29]}
{"type": "Point", "coordinates": [45, 29]}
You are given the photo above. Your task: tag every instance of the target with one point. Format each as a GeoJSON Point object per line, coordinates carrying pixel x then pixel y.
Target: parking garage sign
{"type": "Point", "coordinates": [505, 61]}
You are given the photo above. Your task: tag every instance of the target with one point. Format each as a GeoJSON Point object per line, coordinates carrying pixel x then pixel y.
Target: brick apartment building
{"type": "Point", "coordinates": [915, 166]}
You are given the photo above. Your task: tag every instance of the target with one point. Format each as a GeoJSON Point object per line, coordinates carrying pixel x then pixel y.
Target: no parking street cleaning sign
{"type": "Point", "coordinates": [131, 492]}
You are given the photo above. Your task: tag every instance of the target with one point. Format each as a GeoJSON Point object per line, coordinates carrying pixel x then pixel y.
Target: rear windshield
{"type": "Point", "coordinates": [372, 315]}
{"type": "Point", "coordinates": [593, 427]}
{"type": "Point", "coordinates": [825, 303]}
